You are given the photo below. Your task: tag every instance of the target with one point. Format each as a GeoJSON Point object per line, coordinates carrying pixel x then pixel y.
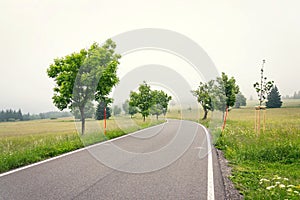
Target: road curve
{"type": "Point", "coordinates": [161, 162]}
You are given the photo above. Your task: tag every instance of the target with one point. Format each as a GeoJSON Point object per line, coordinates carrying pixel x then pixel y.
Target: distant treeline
{"type": "Point", "coordinates": [295, 96]}
{"type": "Point", "coordinates": [17, 115]}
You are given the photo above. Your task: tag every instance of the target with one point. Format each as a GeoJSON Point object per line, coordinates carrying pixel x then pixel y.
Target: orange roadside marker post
{"type": "Point", "coordinates": [105, 120]}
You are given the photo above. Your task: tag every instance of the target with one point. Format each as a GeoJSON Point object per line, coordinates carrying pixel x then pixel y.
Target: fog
{"type": "Point", "coordinates": [236, 35]}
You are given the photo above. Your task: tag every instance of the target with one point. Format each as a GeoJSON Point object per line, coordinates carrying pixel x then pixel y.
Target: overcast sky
{"type": "Point", "coordinates": [237, 35]}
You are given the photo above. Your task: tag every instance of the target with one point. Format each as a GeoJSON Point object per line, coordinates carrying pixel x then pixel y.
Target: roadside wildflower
{"type": "Point", "coordinates": [270, 187]}
{"type": "Point", "coordinates": [261, 181]}
{"type": "Point", "coordinates": [289, 190]}
{"type": "Point", "coordinates": [264, 179]}
{"type": "Point", "coordinates": [282, 186]}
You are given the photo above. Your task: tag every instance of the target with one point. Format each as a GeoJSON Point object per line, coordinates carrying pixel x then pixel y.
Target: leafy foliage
{"type": "Point", "coordinates": [142, 99]}
{"type": "Point", "coordinates": [219, 94]}
{"type": "Point", "coordinates": [85, 76]}
{"type": "Point", "coordinates": [263, 88]}
{"type": "Point", "coordinates": [228, 89]}
{"type": "Point", "coordinates": [160, 103]}
{"type": "Point", "coordinates": [204, 96]}
{"type": "Point", "coordinates": [132, 110]}
{"type": "Point", "coordinates": [148, 102]}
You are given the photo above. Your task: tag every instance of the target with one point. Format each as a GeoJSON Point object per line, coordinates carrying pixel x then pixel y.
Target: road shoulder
{"type": "Point", "coordinates": [231, 193]}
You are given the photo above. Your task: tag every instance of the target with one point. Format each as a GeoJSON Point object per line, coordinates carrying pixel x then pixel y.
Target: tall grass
{"type": "Point", "coordinates": [274, 152]}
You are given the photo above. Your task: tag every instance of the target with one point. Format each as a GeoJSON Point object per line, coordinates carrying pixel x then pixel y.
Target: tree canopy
{"type": "Point", "coordinates": [204, 96]}
{"type": "Point", "coordinates": [219, 94]}
{"type": "Point", "coordinates": [85, 76]}
{"type": "Point", "coordinates": [230, 90]}
{"type": "Point", "coordinates": [148, 102]}
{"type": "Point", "coordinates": [142, 99]}
{"type": "Point", "coordinates": [160, 103]}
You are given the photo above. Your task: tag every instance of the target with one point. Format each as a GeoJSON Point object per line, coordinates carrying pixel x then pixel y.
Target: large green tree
{"type": "Point", "coordinates": [230, 90]}
{"type": "Point", "coordinates": [142, 99]}
{"type": "Point", "coordinates": [160, 103]}
{"type": "Point", "coordinates": [204, 96]}
{"type": "Point", "coordinates": [274, 98]}
{"type": "Point", "coordinates": [85, 76]}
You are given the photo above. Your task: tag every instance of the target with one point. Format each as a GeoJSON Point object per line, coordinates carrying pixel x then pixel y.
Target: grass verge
{"type": "Point", "coordinates": [265, 165]}
{"type": "Point", "coordinates": [23, 143]}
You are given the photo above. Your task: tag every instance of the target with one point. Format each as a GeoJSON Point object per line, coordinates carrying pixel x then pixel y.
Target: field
{"type": "Point", "coordinates": [22, 143]}
{"type": "Point", "coordinates": [265, 165]}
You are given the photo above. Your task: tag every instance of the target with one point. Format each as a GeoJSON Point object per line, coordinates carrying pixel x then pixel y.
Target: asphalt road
{"type": "Point", "coordinates": [169, 161]}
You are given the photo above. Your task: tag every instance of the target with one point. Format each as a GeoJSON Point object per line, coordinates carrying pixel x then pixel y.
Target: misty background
{"type": "Point", "coordinates": [237, 36]}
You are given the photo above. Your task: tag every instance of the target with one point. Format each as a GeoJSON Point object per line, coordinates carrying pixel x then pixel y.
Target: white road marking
{"type": "Point", "coordinates": [210, 178]}
{"type": "Point", "coordinates": [210, 173]}
{"type": "Point", "coordinates": [76, 151]}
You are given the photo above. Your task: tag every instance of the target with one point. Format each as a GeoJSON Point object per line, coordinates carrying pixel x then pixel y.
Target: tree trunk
{"type": "Point", "coordinates": [82, 120]}
{"type": "Point", "coordinates": [144, 118]}
{"type": "Point", "coordinates": [156, 117]}
{"type": "Point", "coordinates": [205, 114]}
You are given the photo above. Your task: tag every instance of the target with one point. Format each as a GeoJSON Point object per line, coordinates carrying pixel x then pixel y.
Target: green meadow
{"type": "Point", "coordinates": [266, 165]}
{"type": "Point", "coordinates": [26, 142]}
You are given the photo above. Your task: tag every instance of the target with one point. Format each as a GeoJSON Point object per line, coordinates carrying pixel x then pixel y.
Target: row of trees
{"type": "Point", "coordinates": [17, 115]}
{"type": "Point", "coordinates": [11, 115]}
{"type": "Point", "coordinates": [146, 101]}
{"type": "Point", "coordinates": [295, 96]}
{"type": "Point", "coordinates": [89, 75]}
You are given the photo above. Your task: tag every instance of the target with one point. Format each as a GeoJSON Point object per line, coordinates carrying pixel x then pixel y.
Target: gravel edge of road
{"type": "Point", "coordinates": [231, 193]}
